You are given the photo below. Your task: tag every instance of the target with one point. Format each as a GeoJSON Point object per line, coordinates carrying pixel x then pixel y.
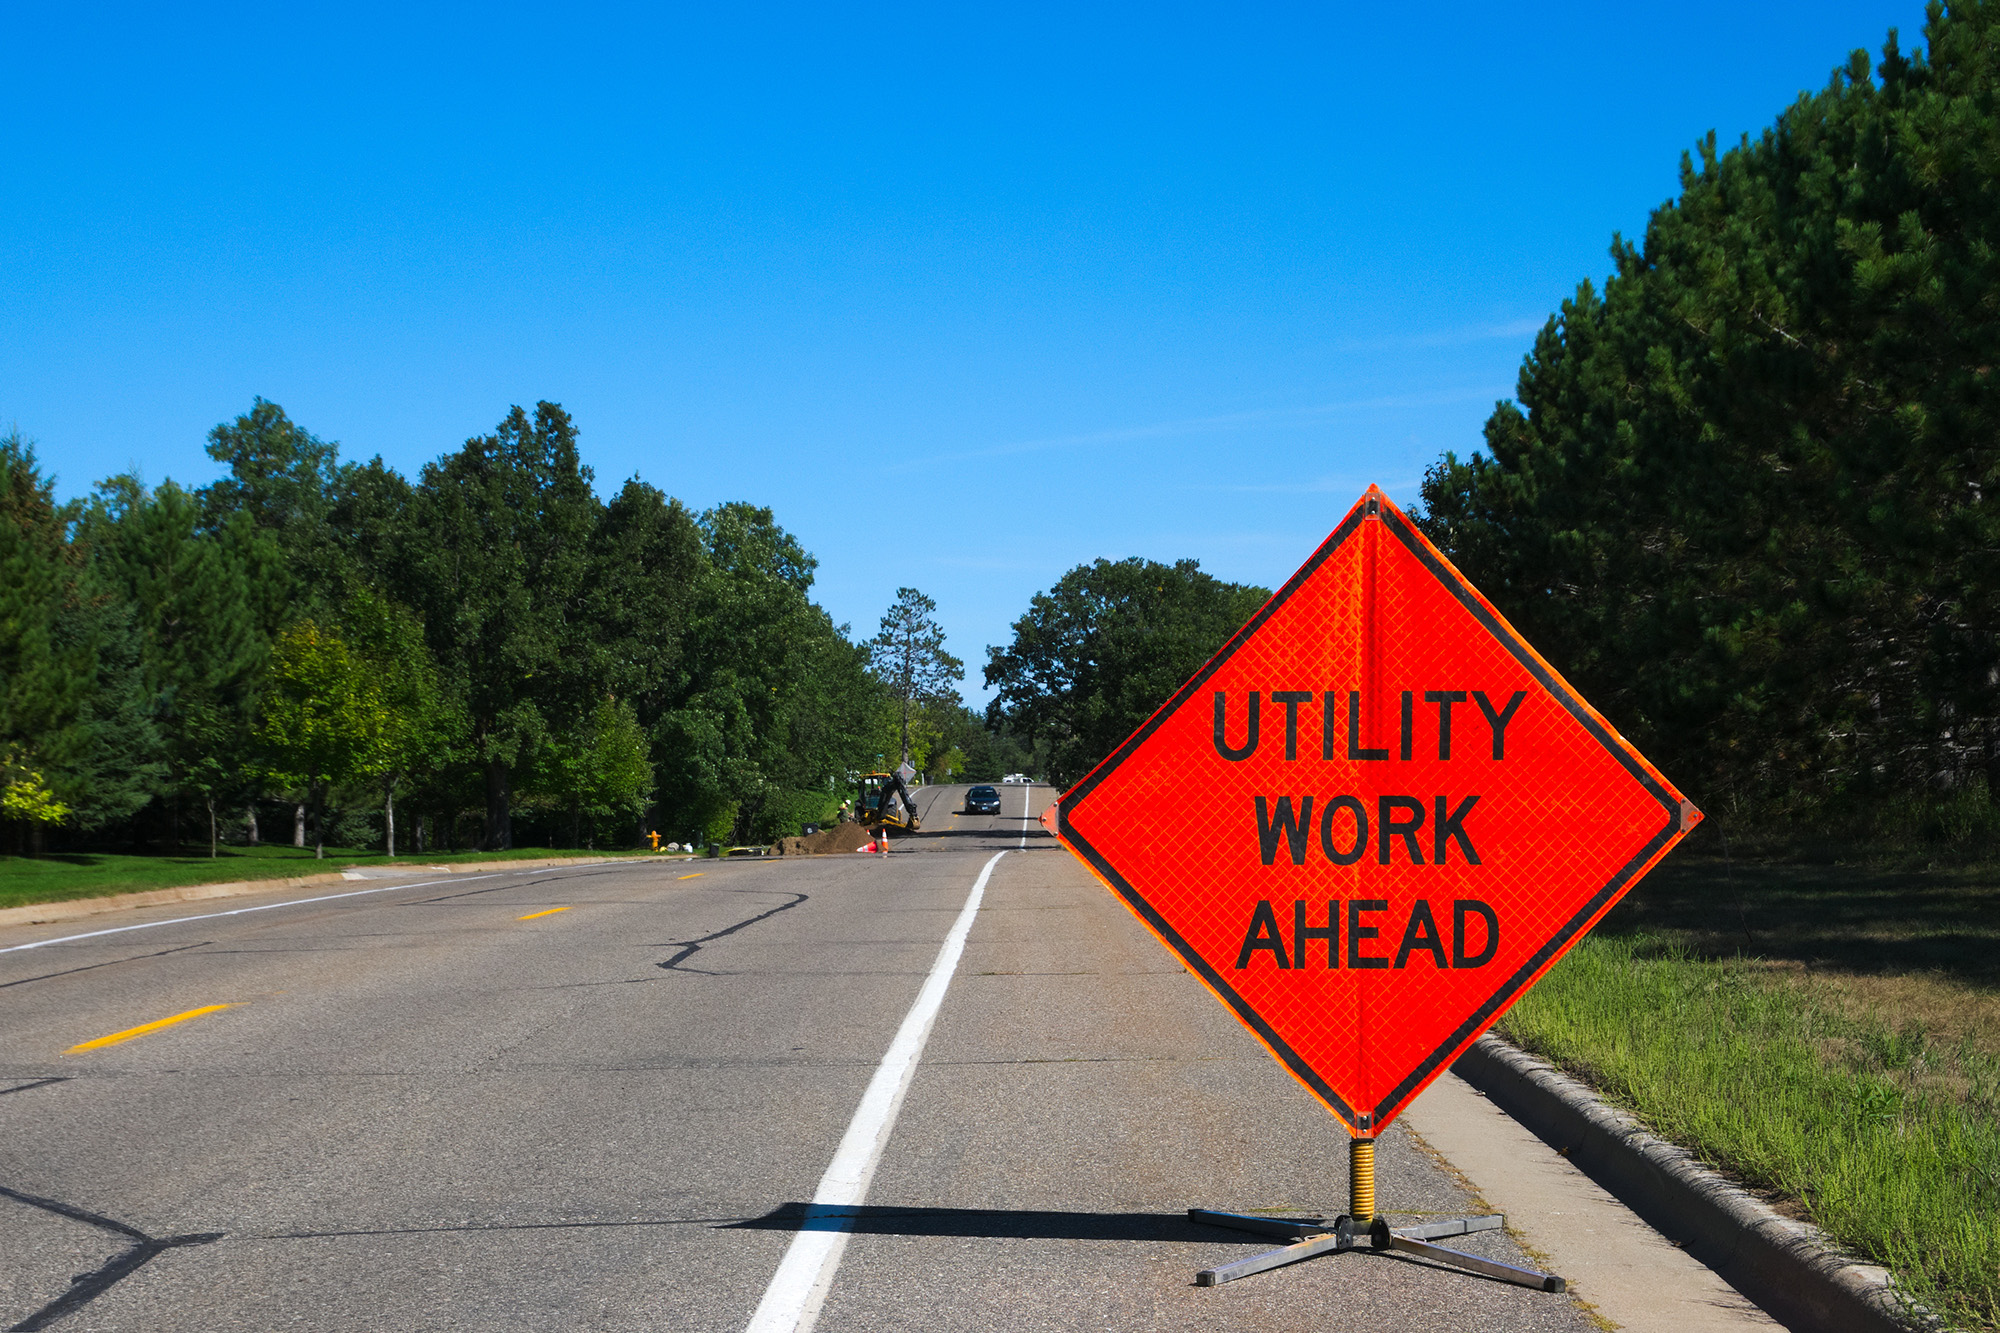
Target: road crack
{"type": "Point", "coordinates": [87, 1287]}
{"type": "Point", "coordinates": [689, 948]}
{"type": "Point", "coordinates": [38, 1083]}
{"type": "Point", "coordinates": [111, 962]}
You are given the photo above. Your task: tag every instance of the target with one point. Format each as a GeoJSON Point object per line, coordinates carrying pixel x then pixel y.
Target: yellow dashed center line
{"type": "Point", "coordinates": [546, 912]}
{"type": "Point", "coordinates": [696, 875]}
{"type": "Point", "coordinates": [144, 1028]}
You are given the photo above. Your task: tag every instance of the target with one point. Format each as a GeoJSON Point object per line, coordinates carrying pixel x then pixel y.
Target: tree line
{"type": "Point", "coordinates": [1747, 497]}
{"type": "Point", "coordinates": [1748, 494]}
{"type": "Point", "coordinates": [490, 648]}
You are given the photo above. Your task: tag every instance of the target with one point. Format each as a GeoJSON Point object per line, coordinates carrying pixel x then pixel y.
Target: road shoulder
{"type": "Point", "coordinates": [1630, 1274]}
{"type": "Point", "coordinates": [1788, 1267]}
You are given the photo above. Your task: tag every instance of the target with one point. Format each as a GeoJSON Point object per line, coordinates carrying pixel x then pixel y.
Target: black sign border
{"type": "Point", "coordinates": [1399, 525]}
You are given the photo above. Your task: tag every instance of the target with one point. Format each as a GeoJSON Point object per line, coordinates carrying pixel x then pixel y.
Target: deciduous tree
{"type": "Point", "coordinates": [323, 716]}
{"type": "Point", "coordinates": [500, 551]}
{"type": "Point", "coordinates": [600, 771]}
{"type": "Point", "coordinates": [419, 725]}
{"type": "Point", "coordinates": [1108, 644]}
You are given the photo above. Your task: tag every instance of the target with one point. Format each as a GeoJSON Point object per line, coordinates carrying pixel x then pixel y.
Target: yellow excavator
{"type": "Point", "coordinates": [884, 802]}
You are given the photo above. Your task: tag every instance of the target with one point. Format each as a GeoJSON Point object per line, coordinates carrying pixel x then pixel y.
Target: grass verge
{"type": "Point", "coordinates": [59, 878]}
{"type": "Point", "coordinates": [1823, 1033]}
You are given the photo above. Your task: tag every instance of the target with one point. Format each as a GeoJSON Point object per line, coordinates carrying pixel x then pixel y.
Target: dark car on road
{"type": "Point", "coordinates": [982, 801]}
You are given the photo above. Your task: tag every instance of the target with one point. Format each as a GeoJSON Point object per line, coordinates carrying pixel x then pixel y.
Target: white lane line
{"type": "Point", "coordinates": [265, 907]}
{"type": "Point", "coordinates": [792, 1302]}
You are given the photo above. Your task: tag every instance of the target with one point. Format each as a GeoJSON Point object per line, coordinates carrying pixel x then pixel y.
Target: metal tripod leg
{"type": "Point", "coordinates": [1452, 1226]}
{"type": "Point", "coordinates": [1312, 1238]}
{"type": "Point", "coordinates": [1520, 1277]}
{"type": "Point", "coordinates": [1258, 1263]}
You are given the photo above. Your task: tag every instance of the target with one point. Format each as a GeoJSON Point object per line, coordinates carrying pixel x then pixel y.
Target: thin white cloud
{"type": "Point", "coordinates": [1458, 337]}
{"type": "Point", "coordinates": [1273, 418]}
{"type": "Point", "coordinates": [1341, 482]}
{"type": "Point", "coordinates": [1476, 333]}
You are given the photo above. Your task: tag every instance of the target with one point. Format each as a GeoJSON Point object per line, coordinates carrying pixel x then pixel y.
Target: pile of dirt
{"type": "Point", "coordinates": [835, 838]}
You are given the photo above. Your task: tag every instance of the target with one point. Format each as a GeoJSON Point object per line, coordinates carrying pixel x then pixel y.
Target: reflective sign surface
{"type": "Point", "coordinates": [1373, 819]}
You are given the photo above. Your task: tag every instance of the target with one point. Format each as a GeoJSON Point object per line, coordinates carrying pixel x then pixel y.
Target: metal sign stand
{"type": "Point", "coordinates": [1360, 1225]}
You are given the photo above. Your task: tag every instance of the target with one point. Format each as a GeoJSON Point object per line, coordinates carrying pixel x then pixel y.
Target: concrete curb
{"type": "Point", "coordinates": [72, 908]}
{"type": "Point", "coordinates": [1789, 1268]}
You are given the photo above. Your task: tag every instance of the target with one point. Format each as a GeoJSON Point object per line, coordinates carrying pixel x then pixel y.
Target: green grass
{"type": "Point", "coordinates": [64, 876]}
{"type": "Point", "coordinates": [1825, 1033]}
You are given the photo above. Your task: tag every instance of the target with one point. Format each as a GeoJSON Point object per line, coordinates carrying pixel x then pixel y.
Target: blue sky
{"type": "Point", "coordinates": [969, 296]}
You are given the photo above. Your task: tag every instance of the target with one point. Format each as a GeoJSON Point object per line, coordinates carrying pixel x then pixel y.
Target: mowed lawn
{"type": "Point", "coordinates": [59, 877]}
{"type": "Point", "coordinates": [1827, 1033]}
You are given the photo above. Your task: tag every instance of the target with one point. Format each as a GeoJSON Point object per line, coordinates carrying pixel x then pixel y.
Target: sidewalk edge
{"type": "Point", "coordinates": [69, 909]}
{"type": "Point", "coordinates": [1787, 1267]}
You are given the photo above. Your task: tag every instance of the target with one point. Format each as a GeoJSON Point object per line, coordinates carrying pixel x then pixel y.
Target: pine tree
{"type": "Point", "coordinates": [1750, 497]}
{"type": "Point", "coordinates": [44, 675]}
{"type": "Point", "coordinates": [199, 646]}
{"type": "Point", "coordinates": [909, 655]}
{"type": "Point", "coordinates": [285, 482]}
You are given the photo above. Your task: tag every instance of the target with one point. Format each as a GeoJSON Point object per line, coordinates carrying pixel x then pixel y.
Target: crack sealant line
{"type": "Point", "coordinates": [262, 907]}
{"type": "Point", "coordinates": [792, 1302]}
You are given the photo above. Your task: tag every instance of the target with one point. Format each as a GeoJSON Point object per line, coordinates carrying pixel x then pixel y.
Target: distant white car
{"type": "Point", "coordinates": [1016, 778]}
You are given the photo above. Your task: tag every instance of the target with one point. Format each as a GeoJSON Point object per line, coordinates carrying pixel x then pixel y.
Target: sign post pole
{"type": "Point", "coordinates": [1408, 817]}
{"type": "Point", "coordinates": [1361, 1180]}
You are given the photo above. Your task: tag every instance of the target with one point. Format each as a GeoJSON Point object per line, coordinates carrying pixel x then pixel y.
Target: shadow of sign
{"type": "Point", "coordinates": [981, 1223]}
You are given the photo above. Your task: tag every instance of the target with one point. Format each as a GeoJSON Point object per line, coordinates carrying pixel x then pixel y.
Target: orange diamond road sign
{"type": "Point", "coordinates": [1374, 819]}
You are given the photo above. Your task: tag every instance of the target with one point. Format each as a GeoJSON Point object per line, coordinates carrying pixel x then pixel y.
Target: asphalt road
{"type": "Point", "coordinates": [605, 1097]}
